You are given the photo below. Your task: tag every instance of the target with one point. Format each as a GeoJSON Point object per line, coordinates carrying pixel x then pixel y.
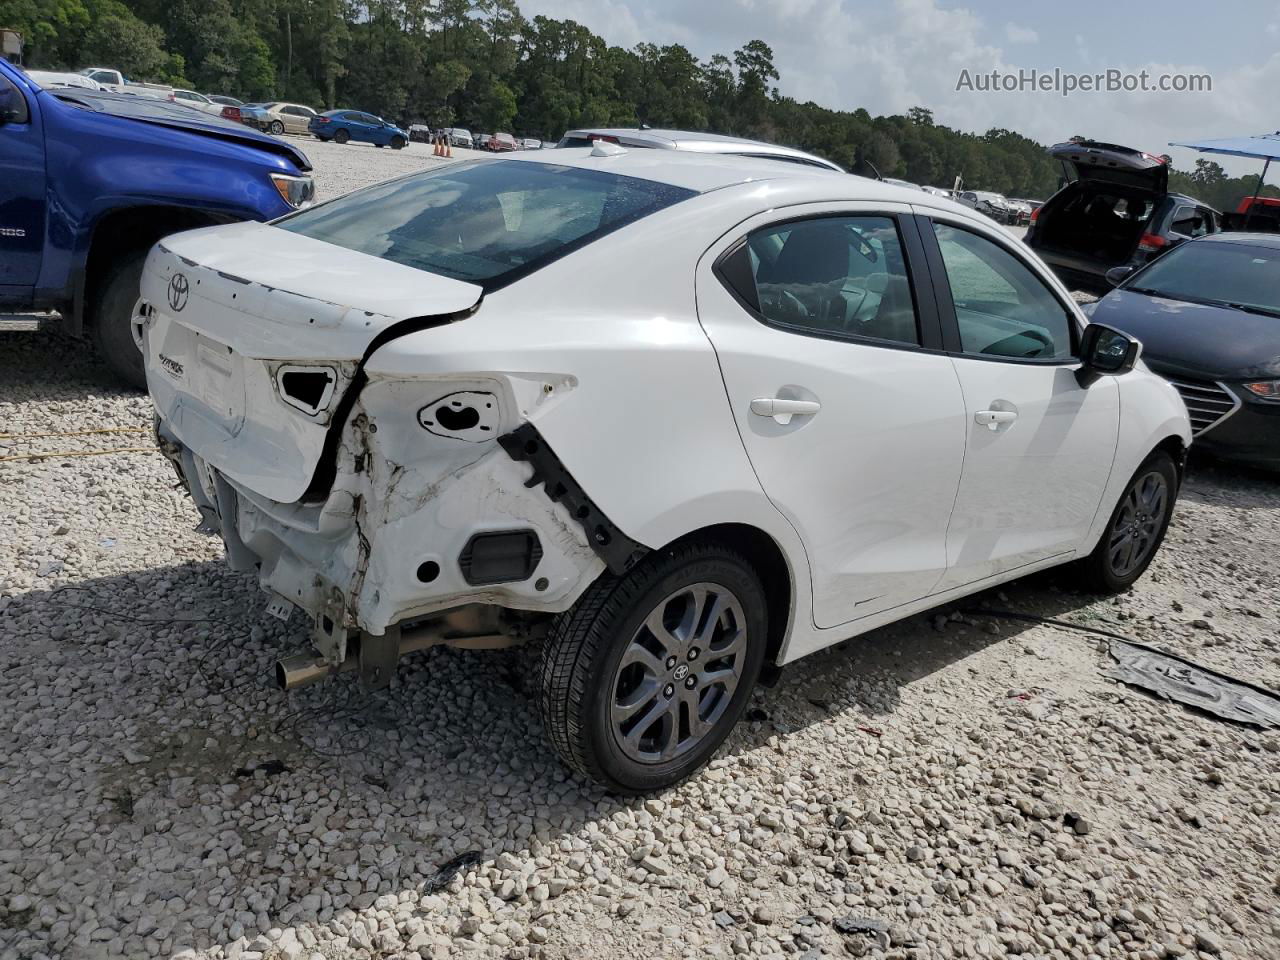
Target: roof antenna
{"type": "Point", "coordinates": [603, 148]}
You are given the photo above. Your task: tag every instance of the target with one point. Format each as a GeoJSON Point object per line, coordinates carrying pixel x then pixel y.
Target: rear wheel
{"type": "Point", "coordinates": [341, 136]}
{"type": "Point", "coordinates": [397, 143]}
{"type": "Point", "coordinates": [276, 127]}
{"type": "Point", "coordinates": [1136, 529]}
{"type": "Point", "coordinates": [644, 678]}
{"type": "Point", "coordinates": [115, 320]}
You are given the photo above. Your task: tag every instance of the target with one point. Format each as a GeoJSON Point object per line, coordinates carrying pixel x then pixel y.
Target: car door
{"type": "Point", "coordinates": [1040, 446]}
{"type": "Point", "coordinates": [295, 121]}
{"type": "Point", "coordinates": [22, 191]}
{"type": "Point", "coordinates": [851, 414]}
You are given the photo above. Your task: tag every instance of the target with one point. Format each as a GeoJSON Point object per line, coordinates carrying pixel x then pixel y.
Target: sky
{"type": "Point", "coordinates": [890, 55]}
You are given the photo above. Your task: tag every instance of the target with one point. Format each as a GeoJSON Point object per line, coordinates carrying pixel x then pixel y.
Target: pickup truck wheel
{"type": "Point", "coordinates": [341, 136]}
{"type": "Point", "coordinates": [1136, 529]}
{"type": "Point", "coordinates": [397, 143]}
{"type": "Point", "coordinates": [276, 127]}
{"type": "Point", "coordinates": [113, 320]}
{"type": "Point", "coordinates": [642, 680]}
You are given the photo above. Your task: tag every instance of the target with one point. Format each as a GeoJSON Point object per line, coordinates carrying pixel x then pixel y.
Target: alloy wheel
{"type": "Point", "coordinates": [1136, 528]}
{"type": "Point", "coordinates": [678, 674]}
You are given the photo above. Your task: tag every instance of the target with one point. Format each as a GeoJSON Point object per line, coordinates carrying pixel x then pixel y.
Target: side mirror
{"type": "Point", "coordinates": [1105, 352]}
{"type": "Point", "coordinates": [1118, 275]}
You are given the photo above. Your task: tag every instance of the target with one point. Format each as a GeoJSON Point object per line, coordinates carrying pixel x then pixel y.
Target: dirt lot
{"type": "Point", "coordinates": [953, 786]}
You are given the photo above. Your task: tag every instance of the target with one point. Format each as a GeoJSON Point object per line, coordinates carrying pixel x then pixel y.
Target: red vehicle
{"type": "Point", "coordinates": [502, 143]}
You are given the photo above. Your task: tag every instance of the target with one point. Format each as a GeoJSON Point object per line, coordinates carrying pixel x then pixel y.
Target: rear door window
{"type": "Point", "coordinates": [484, 221]}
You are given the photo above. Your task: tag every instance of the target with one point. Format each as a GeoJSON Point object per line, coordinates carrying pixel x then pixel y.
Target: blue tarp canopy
{"type": "Point", "coordinates": [1264, 146]}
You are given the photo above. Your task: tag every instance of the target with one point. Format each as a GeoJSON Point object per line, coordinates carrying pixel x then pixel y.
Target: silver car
{"type": "Point", "coordinates": [695, 143]}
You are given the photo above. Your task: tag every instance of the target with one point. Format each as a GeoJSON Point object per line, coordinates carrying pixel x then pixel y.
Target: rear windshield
{"type": "Point", "coordinates": [1238, 274]}
{"type": "Point", "coordinates": [486, 221]}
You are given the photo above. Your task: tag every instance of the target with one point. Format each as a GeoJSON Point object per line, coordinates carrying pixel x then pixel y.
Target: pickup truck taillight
{"type": "Point", "coordinates": [1151, 242]}
{"type": "Point", "coordinates": [231, 113]}
{"type": "Point", "coordinates": [1035, 214]}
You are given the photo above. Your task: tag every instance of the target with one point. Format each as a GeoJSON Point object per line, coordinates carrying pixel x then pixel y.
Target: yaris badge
{"type": "Point", "coordinates": [178, 290]}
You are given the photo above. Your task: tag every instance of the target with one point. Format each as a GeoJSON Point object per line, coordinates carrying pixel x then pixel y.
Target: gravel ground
{"type": "Point", "coordinates": [956, 785]}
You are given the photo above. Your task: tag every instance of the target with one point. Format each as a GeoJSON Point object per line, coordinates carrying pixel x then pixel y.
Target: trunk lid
{"type": "Point", "coordinates": [1111, 163]}
{"type": "Point", "coordinates": [256, 334]}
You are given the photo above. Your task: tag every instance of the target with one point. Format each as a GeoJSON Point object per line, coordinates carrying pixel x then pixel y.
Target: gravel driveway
{"type": "Point", "coordinates": [957, 785]}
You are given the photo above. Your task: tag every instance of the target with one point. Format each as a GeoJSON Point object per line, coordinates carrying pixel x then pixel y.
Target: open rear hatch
{"type": "Point", "coordinates": [1111, 163]}
{"type": "Point", "coordinates": [256, 333]}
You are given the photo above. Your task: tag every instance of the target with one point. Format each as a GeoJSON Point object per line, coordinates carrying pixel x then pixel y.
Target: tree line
{"type": "Point", "coordinates": [481, 64]}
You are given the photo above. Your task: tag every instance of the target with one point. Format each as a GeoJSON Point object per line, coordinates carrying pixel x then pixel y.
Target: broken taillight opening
{"type": "Point", "coordinates": [1035, 214]}
{"type": "Point", "coordinates": [308, 388]}
{"type": "Point", "coordinates": [1151, 242]}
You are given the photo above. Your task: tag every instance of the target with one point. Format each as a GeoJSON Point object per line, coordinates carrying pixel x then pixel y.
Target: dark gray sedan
{"type": "Point", "coordinates": [1208, 315]}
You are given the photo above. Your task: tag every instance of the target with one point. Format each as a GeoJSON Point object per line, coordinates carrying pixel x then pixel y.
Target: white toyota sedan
{"type": "Point", "coordinates": [671, 417]}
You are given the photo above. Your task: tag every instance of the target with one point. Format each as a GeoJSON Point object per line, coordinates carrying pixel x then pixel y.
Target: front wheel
{"type": "Point", "coordinates": [397, 143]}
{"type": "Point", "coordinates": [646, 675]}
{"type": "Point", "coordinates": [341, 136]}
{"type": "Point", "coordinates": [276, 127]}
{"type": "Point", "coordinates": [115, 320]}
{"type": "Point", "coordinates": [1136, 529]}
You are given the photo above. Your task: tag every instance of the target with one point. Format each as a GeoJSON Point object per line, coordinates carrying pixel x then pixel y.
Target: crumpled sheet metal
{"type": "Point", "coordinates": [1198, 687]}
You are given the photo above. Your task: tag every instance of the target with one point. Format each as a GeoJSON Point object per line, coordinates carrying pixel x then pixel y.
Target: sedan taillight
{"type": "Point", "coordinates": [231, 113]}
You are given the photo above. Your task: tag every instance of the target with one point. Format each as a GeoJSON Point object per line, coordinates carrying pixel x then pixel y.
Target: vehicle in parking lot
{"type": "Point", "coordinates": [502, 143]}
{"type": "Point", "coordinates": [431, 419]}
{"type": "Point", "coordinates": [459, 137]}
{"type": "Point", "coordinates": [107, 77]}
{"type": "Point", "coordinates": [419, 133]}
{"type": "Point", "coordinates": [197, 101]}
{"type": "Point", "coordinates": [1208, 316]}
{"type": "Point", "coordinates": [938, 191]}
{"type": "Point", "coordinates": [343, 126]}
{"type": "Point", "coordinates": [1117, 211]}
{"type": "Point", "coordinates": [89, 180]}
{"type": "Point", "coordinates": [288, 118]}
{"type": "Point", "coordinates": [695, 143]}
{"type": "Point", "coordinates": [54, 78]}
{"type": "Point", "coordinates": [225, 101]}
{"type": "Point", "coordinates": [482, 140]}
{"type": "Point", "coordinates": [256, 115]}
{"type": "Point", "coordinates": [993, 205]}
{"type": "Point", "coordinates": [530, 143]}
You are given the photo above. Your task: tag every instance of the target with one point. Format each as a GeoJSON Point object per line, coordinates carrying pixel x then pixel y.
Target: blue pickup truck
{"type": "Point", "coordinates": [90, 180]}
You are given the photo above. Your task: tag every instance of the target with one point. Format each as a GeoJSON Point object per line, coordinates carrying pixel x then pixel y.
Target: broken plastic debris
{"type": "Point", "coordinates": [450, 869]}
{"type": "Point", "coordinates": [1174, 678]}
{"type": "Point", "coordinates": [854, 924]}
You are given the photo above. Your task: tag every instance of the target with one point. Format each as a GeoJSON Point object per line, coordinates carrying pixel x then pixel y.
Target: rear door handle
{"type": "Point", "coordinates": [782, 410]}
{"type": "Point", "coordinates": [992, 419]}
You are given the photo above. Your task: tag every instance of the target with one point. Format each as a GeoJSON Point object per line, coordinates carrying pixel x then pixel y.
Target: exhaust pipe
{"type": "Point", "coordinates": [305, 669]}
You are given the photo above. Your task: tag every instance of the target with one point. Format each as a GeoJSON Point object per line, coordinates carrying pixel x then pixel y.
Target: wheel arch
{"type": "Point", "coordinates": [1178, 450]}
{"type": "Point", "coordinates": [771, 564]}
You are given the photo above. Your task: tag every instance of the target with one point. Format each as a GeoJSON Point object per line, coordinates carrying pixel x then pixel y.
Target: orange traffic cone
{"type": "Point", "coordinates": [437, 151]}
{"type": "Point", "coordinates": [448, 148]}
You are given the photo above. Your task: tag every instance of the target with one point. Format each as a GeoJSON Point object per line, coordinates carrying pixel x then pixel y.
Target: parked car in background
{"type": "Point", "coordinates": [937, 191]}
{"type": "Point", "coordinates": [1208, 316]}
{"type": "Point", "coordinates": [405, 479]}
{"type": "Point", "coordinates": [197, 101]}
{"type": "Point", "coordinates": [224, 100]}
{"type": "Point", "coordinates": [503, 143]}
{"type": "Point", "coordinates": [232, 113]}
{"type": "Point", "coordinates": [695, 143]}
{"type": "Point", "coordinates": [482, 140]}
{"type": "Point", "coordinates": [53, 78]}
{"type": "Point", "coordinates": [993, 205]}
{"type": "Point", "coordinates": [901, 183]}
{"type": "Point", "coordinates": [459, 137]}
{"type": "Point", "coordinates": [89, 180]}
{"type": "Point", "coordinates": [343, 126]}
{"type": "Point", "coordinates": [1254, 213]}
{"type": "Point", "coordinates": [105, 76]}
{"type": "Point", "coordinates": [156, 91]}
{"type": "Point", "coordinates": [255, 115]}
{"type": "Point", "coordinates": [530, 143]}
{"type": "Point", "coordinates": [419, 133]}
{"type": "Point", "coordinates": [1116, 212]}
{"type": "Point", "coordinates": [289, 118]}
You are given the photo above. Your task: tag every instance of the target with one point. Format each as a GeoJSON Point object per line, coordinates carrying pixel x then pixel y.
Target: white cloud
{"type": "Point", "coordinates": [1020, 34]}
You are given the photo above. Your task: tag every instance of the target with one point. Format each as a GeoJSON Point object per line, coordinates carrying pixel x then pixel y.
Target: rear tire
{"type": "Point", "coordinates": [639, 684]}
{"type": "Point", "coordinates": [397, 143]}
{"type": "Point", "coordinates": [276, 127]}
{"type": "Point", "coordinates": [112, 320]}
{"type": "Point", "coordinates": [341, 136]}
{"type": "Point", "coordinates": [1136, 528]}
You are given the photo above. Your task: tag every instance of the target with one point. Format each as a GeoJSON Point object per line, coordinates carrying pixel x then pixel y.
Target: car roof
{"type": "Point", "coordinates": [1269, 240]}
{"type": "Point", "coordinates": [696, 142]}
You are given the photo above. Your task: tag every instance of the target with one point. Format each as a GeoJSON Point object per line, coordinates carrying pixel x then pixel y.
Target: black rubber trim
{"type": "Point", "coordinates": [500, 556]}
{"type": "Point", "coordinates": [619, 552]}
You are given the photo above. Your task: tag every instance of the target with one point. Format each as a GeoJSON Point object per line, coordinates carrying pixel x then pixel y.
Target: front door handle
{"type": "Point", "coordinates": [993, 419]}
{"type": "Point", "coordinates": [782, 410]}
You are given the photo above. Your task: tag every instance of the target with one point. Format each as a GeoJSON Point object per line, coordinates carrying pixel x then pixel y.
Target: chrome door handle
{"type": "Point", "coordinates": [992, 419]}
{"type": "Point", "coordinates": [782, 410]}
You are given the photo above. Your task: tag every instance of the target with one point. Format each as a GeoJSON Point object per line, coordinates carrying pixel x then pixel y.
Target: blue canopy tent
{"type": "Point", "coordinates": [1263, 146]}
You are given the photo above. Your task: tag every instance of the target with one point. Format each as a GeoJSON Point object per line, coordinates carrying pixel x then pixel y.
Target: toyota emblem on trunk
{"type": "Point", "coordinates": [178, 289]}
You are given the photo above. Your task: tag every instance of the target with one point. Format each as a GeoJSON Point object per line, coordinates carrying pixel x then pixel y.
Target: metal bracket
{"type": "Point", "coordinates": [619, 552]}
{"type": "Point", "coordinates": [378, 659]}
